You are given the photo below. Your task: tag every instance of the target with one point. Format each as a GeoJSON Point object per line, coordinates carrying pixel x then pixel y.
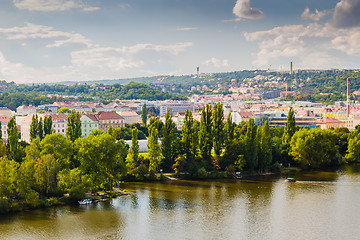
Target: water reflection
{"type": "Point", "coordinates": [320, 205]}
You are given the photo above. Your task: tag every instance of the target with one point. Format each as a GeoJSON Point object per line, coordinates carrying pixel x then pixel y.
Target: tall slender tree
{"type": "Point", "coordinates": [290, 127]}
{"type": "Point", "coordinates": [48, 125]}
{"type": "Point", "coordinates": [265, 147]}
{"type": "Point", "coordinates": [40, 130]}
{"type": "Point", "coordinates": [251, 145]}
{"type": "Point", "coordinates": [132, 159]}
{"type": "Point", "coordinates": [229, 129]}
{"type": "Point", "coordinates": [34, 127]}
{"type": "Point", "coordinates": [154, 152]}
{"type": "Point", "coordinates": [73, 130]}
{"type": "Point", "coordinates": [187, 136]}
{"type": "Point", "coordinates": [167, 142]}
{"type": "Point", "coordinates": [205, 133]}
{"type": "Point", "coordinates": [13, 139]}
{"type": "Point", "coordinates": [0, 131]}
{"type": "Point", "coordinates": [218, 128]}
{"type": "Point", "coordinates": [144, 114]}
{"type": "Point", "coordinates": [77, 130]}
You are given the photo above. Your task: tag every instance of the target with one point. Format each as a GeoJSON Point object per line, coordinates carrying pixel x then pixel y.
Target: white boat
{"type": "Point", "coordinates": [85, 201]}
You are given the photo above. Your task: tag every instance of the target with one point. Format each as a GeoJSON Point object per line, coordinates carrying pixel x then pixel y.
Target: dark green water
{"type": "Point", "coordinates": [320, 205]}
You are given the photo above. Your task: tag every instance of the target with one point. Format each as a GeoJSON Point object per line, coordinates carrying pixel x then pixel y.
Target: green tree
{"type": "Point", "coordinates": [40, 130]}
{"type": "Point", "coordinates": [34, 127]}
{"type": "Point", "coordinates": [59, 147]}
{"type": "Point", "coordinates": [229, 129]}
{"type": "Point", "coordinates": [101, 157]}
{"type": "Point", "coordinates": [218, 128]}
{"type": "Point", "coordinates": [7, 176]}
{"type": "Point", "coordinates": [290, 127]}
{"type": "Point", "coordinates": [144, 114]}
{"type": "Point", "coordinates": [0, 131]}
{"type": "Point", "coordinates": [48, 125]}
{"type": "Point", "coordinates": [353, 151]}
{"type": "Point", "coordinates": [64, 110]}
{"type": "Point", "coordinates": [187, 137]}
{"type": "Point", "coordinates": [167, 142]}
{"type": "Point", "coordinates": [25, 180]}
{"type": "Point", "coordinates": [205, 133]}
{"type": "Point", "coordinates": [265, 147]}
{"type": "Point", "coordinates": [46, 170]}
{"type": "Point", "coordinates": [132, 159]}
{"type": "Point", "coordinates": [13, 140]}
{"type": "Point", "coordinates": [314, 148]}
{"type": "Point", "coordinates": [154, 152]}
{"type": "Point", "coordinates": [77, 130]}
{"type": "Point", "coordinates": [251, 155]}
{"type": "Point", "coordinates": [73, 130]}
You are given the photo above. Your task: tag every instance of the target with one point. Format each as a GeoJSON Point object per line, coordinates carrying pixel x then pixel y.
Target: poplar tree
{"type": "Point", "coordinates": [73, 130]}
{"type": "Point", "coordinates": [229, 129]}
{"type": "Point", "coordinates": [205, 133]}
{"type": "Point", "coordinates": [251, 145]}
{"type": "Point", "coordinates": [0, 131]}
{"type": "Point", "coordinates": [187, 136]}
{"type": "Point", "coordinates": [77, 130]}
{"type": "Point", "coordinates": [218, 128]}
{"type": "Point", "coordinates": [34, 127]}
{"type": "Point", "coordinates": [144, 114]}
{"type": "Point", "coordinates": [167, 142]}
{"type": "Point", "coordinates": [289, 127]}
{"type": "Point", "coordinates": [132, 159]}
{"type": "Point", "coordinates": [40, 130]}
{"type": "Point", "coordinates": [48, 125]}
{"type": "Point", "coordinates": [13, 138]}
{"type": "Point", "coordinates": [265, 147]}
{"type": "Point", "coordinates": [154, 152]}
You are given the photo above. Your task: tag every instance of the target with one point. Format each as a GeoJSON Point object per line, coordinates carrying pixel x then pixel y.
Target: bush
{"type": "Point", "coordinates": [4, 205]}
{"type": "Point", "coordinates": [201, 173]}
{"type": "Point", "coordinates": [77, 193]}
{"type": "Point", "coordinates": [53, 201]}
{"type": "Point", "coordinates": [276, 168]}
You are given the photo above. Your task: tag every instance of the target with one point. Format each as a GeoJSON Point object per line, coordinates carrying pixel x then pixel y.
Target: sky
{"type": "Point", "coordinates": [80, 40]}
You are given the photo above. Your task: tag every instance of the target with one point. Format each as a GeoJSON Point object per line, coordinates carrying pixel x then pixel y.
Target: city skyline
{"type": "Point", "coordinates": [73, 40]}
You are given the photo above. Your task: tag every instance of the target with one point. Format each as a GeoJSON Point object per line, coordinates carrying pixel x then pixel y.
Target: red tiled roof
{"type": "Point", "coordinates": [109, 115]}
{"type": "Point", "coordinates": [329, 120]}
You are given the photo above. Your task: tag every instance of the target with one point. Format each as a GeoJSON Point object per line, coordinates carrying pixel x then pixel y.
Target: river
{"type": "Point", "coordinates": [320, 205]}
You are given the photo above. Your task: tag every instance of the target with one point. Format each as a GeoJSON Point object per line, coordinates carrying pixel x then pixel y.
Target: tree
{"type": "Point", "coordinates": [229, 129]}
{"type": "Point", "coordinates": [353, 151]}
{"type": "Point", "coordinates": [187, 137]}
{"type": "Point", "coordinates": [167, 142]}
{"type": "Point", "coordinates": [40, 130]}
{"type": "Point", "coordinates": [59, 147]}
{"type": "Point", "coordinates": [101, 157]}
{"type": "Point", "coordinates": [46, 170]}
{"type": "Point", "coordinates": [218, 128]}
{"type": "Point", "coordinates": [132, 159]}
{"type": "Point", "coordinates": [314, 148]}
{"type": "Point", "coordinates": [73, 130]}
{"type": "Point", "coordinates": [64, 110]}
{"type": "Point", "coordinates": [48, 125]}
{"type": "Point", "coordinates": [25, 180]}
{"type": "Point", "coordinates": [144, 114]}
{"type": "Point", "coordinates": [34, 127]}
{"type": "Point", "coordinates": [13, 140]}
{"type": "Point", "coordinates": [154, 152]}
{"type": "Point", "coordinates": [7, 176]}
{"type": "Point", "coordinates": [0, 131]}
{"type": "Point", "coordinates": [290, 126]}
{"type": "Point", "coordinates": [205, 133]}
{"type": "Point", "coordinates": [265, 147]}
{"type": "Point", "coordinates": [251, 155]}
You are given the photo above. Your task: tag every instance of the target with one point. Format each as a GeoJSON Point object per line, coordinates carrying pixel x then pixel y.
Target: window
{"type": "Point", "coordinates": [63, 130]}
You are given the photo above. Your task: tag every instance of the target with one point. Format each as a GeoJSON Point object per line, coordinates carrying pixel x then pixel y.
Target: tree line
{"type": "Point", "coordinates": [53, 164]}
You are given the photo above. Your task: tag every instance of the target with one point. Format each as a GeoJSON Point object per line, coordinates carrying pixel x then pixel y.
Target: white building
{"type": "Point", "coordinates": [130, 117]}
{"type": "Point", "coordinates": [25, 110]}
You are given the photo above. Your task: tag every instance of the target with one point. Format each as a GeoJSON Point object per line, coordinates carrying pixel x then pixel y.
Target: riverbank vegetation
{"type": "Point", "coordinates": [53, 166]}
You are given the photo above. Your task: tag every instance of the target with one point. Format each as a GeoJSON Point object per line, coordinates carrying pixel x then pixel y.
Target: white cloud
{"type": "Point", "coordinates": [215, 62]}
{"type": "Point", "coordinates": [311, 44]}
{"type": "Point", "coordinates": [31, 31]}
{"type": "Point", "coordinates": [347, 13]}
{"type": "Point", "coordinates": [243, 10]}
{"type": "Point", "coordinates": [186, 29]}
{"type": "Point", "coordinates": [52, 5]}
{"type": "Point", "coordinates": [95, 63]}
{"type": "Point", "coordinates": [316, 16]}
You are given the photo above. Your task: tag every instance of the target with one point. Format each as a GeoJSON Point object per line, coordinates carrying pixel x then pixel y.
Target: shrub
{"type": "Point", "coordinates": [76, 193]}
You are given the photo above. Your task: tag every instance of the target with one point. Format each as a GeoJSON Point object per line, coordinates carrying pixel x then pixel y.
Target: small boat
{"type": "Point", "coordinates": [85, 201]}
{"type": "Point", "coordinates": [290, 180]}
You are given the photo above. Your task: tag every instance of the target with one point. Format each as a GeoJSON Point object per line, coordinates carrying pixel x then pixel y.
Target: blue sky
{"type": "Point", "coordinates": [77, 40]}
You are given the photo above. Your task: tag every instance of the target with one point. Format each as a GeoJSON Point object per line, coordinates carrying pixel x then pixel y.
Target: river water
{"type": "Point", "coordinates": [320, 205]}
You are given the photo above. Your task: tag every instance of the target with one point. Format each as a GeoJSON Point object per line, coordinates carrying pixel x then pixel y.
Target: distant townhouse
{"type": "Point", "coordinates": [59, 123]}
{"type": "Point", "coordinates": [7, 112]}
{"type": "Point", "coordinates": [176, 107]}
{"type": "Point", "coordinates": [25, 110]}
{"type": "Point", "coordinates": [89, 123]}
{"type": "Point", "coordinates": [130, 117]}
{"type": "Point", "coordinates": [4, 121]}
{"type": "Point", "coordinates": [111, 118]}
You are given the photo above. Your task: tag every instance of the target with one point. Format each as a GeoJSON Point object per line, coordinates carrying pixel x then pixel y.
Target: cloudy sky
{"type": "Point", "coordinates": [77, 40]}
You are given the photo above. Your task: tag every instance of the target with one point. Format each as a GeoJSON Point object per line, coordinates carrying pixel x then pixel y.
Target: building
{"type": "Point", "coordinates": [107, 119]}
{"type": "Point", "coordinates": [326, 123]}
{"type": "Point", "coordinates": [4, 121]}
{"type": "Point", "coordinates": [7, 112]}
{"type": "Point", "coordinates": [25, 110]}
{"type": "Point", "coordinates": [59, 123]}
{"type": "Point", "coordinates": [89, 123]}
{"type": "Point", "coordinates": [176, 107]}
{"type": "Point", "coordinates": [130, 117]}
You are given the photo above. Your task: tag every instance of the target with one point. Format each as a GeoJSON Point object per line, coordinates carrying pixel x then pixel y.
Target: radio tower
{"type": "Point", "coordinates": [348, 98]}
